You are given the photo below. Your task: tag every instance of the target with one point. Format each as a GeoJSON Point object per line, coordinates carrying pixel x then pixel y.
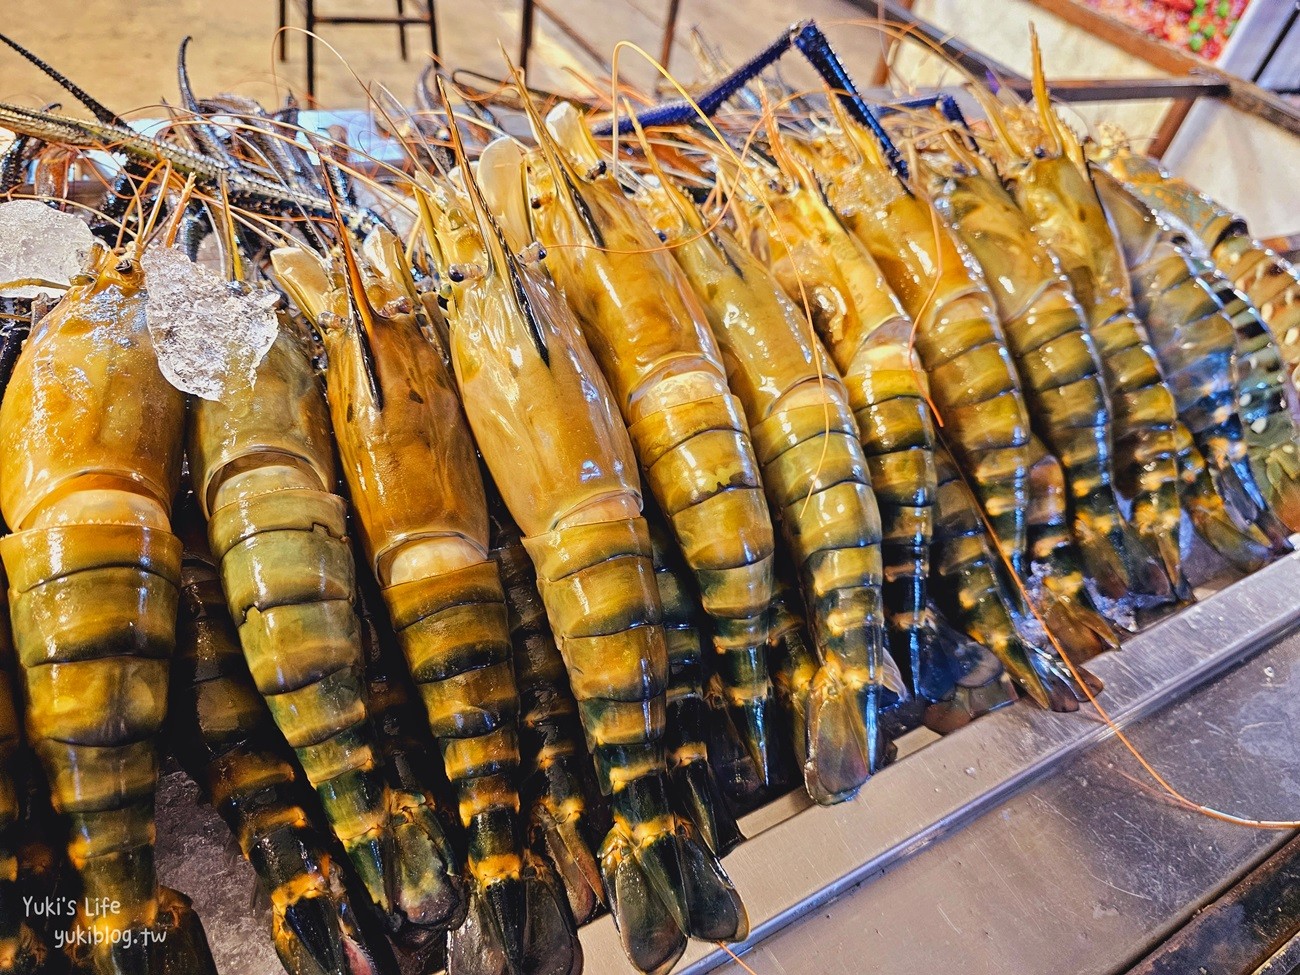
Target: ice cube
{"type": "Point", "coordinates": [37, 241]}
{"type": "Point", "coordinates": [209, 335]}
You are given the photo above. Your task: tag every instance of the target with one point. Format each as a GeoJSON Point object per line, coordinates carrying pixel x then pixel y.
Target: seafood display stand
{"type": "Point", "coordinates": [1032, 841]}
{"type": "Point", "coordinates": [1029, 841]}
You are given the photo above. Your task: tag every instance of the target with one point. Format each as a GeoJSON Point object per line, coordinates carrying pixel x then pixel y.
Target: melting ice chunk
{"type": "Point", "coordinates": [37, 241]}
{"type": "Point", "coordinates": [209, 335]}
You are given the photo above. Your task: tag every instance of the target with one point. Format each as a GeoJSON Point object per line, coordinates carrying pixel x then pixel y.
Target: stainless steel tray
{"type": "Point", "coordinates": [1028, 842]}
{"type": "Point", "coordinates": [1059, 854]}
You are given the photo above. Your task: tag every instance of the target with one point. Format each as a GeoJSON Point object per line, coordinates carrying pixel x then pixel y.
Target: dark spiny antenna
{"type": "Point", "coordinates": [207, 135]}
{"type": "Point", "coordinates": [97, 108]}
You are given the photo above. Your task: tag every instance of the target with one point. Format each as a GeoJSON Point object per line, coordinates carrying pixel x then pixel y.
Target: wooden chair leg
{"type": "Point", "coordinates": [433, 27]}
{"type": "Point", "coordinates": [401, 30]}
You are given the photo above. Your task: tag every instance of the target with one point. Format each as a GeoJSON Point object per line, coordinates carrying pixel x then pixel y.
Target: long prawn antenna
{"type": "Point", "coordinates": [97, 108]}
{"type": "Point", "coordinates": [359, 307]}
{"type": "Point", "coordinates": [495, 239]}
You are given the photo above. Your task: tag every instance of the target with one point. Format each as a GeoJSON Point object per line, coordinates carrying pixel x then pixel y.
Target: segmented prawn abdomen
{"type": "Point", "coordinates": [824, 270]}
{"type": "Point", "coordinates": [818, 482]}
{"type": "Point", "coordinates": [1058, 364]}
{"type": "Point", "coordinates": [1268, 280]}
{"type": "Point", "coordinates": [1058, 595]}
{"type": "Point", "coordinates": [1196, 344]}
{"type": "Point", "coordinates": [897, 435]}
{"type": "Point", "coordinates": [288, 575]}
{"type": "Point", "coordinates": [263, 467]}
{"type": "Point", "coordinates": [1272, 436]}
{"type": "Point", "coordinates": [91, 435]}
{"type": "Point", "coordinates": [556, 790]}
{"type": "Point", "coordinates": [653, 345]}
{"type": "Point", "coordinates": [228, 743]}
{"type": "Point", "coordinates": [972, 379]}
{"type": "Point", "coordinates": [695, 788]}
{"type": "Point", "coordinates": [1063, 207]}
{"type": "Point", "coordinates": [597, 582]}
{"type": "Point", "coordinates": [94, 611]}
{"type": "Point", "coordinates": [719, 518]}
{"type": "Point", "coordinates": [970, 587]}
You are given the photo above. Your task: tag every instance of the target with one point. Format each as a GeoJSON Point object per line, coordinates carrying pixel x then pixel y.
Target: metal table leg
{"type": "Point", "coordinates": [526, 34]}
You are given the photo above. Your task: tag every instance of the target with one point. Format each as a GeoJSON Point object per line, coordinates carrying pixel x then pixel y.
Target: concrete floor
{"type": "Point", "coordinates": [124, 51]}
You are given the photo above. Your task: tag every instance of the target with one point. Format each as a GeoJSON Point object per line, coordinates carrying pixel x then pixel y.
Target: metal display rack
{"type": "Point", "coordinates": [1193, 77]}
{"type": "Point", "coordinates": [1030, 841]}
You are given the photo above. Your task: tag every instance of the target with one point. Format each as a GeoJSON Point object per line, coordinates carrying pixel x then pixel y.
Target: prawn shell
{"type": "Point", "coordinates": [226, 740]}
{"type": "Point", "coordinates": [243, 426]}
{"type": "Point", "coordinates": [826, 271]}
{"type": "Point", "coordinates": [87, 400]}
{"type": "Point", "coordinates": [96, 685]}
{"type": "Point", "coordinates": [972, 379]}
{"type": "Point", "coordinates": [1065, 211]}
{"type": "Point", "coordinates": [1268, 280]}
{"type": "Point", "coordinates": [287, 571]}
{"type": "Point", "coordinates": [557, 789]}
{"type": "Point", "coordinates": [17, 940]}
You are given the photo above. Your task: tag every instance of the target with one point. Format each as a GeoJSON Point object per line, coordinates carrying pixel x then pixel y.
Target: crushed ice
{"type": "Point", "coordinates": [37, 241]}
{"type": "Point", "coordinates": [209, 334]}
{"type": "Point", "coordinates": [1121, 612]}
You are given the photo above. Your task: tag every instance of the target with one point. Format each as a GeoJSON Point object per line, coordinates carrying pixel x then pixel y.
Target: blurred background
{"type": "Point", "coordinates": [125, 53]}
